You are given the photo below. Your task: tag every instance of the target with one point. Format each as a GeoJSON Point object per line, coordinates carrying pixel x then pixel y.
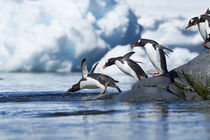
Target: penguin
{"type": "Point", "coordinates": [206, 18]}
{"type": "Point", "coordinates": [156, 55]}
{"type": "Point", "coordinates": [203, 23]}
{"type": "Point", "coordinates": [93, 80]}
{"type": "Point", "coordinates": [127, 65]}
{"type": "Point", "coordinates": [207, 11]}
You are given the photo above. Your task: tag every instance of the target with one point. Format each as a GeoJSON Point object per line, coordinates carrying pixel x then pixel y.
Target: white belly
{"type": "Point", "coordinates": [126, 68]}
{"type": "Point", "coordinates": [202, 29]}
{"type": "Point", "coordinates": [207, 27]}
{"type": "Point", "coordinates": [154, 56]}
{"type": "Point", "coordinates": [91, 83]}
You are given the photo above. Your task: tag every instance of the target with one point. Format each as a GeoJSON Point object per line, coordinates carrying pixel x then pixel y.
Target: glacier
{"type": "Point", "coordinates": [54, 35]}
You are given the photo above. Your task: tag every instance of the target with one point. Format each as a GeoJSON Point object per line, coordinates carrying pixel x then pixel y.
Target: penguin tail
{"type": "Point", "coordinates": [115, 81]}
{"type": "Point", "coordinates": [166, 74]}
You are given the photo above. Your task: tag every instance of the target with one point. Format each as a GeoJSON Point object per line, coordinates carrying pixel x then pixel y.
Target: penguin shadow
{"type": "Point", "coordinates": [172, 75]}
{"type": "Point", "coordinates": [106, 96]}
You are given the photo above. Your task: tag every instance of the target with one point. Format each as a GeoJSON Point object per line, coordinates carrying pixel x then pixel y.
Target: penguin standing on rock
{"type": "Point", "coordinates": [156, 55]}
{"type": "Point", "coordinates": [127, 65]}
{"type": "Point", "coordinates": [93, 80]}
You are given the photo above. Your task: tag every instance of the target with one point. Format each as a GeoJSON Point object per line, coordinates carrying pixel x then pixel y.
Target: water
{"type": "Point", "coordinates": [34, 106]}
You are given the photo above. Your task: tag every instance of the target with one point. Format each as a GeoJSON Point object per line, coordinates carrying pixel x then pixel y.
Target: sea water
{"type": "Point", "coordinates": [35, 106]}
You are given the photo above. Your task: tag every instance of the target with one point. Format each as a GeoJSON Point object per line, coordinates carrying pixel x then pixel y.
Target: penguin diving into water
{"type": "Point", "coordinates": [156, 55]}
{"type": "Point", "coordinates": [127, 65]}
{"type": "Point", "coordinates": [93, 80]}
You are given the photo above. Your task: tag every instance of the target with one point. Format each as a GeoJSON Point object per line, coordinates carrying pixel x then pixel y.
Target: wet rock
{"type": "Point", "coordinates": [197, 74]}
{"type": "Point", "coordinates": [147, 94]}
{"type": "Point", "coordinates": [190, 82]}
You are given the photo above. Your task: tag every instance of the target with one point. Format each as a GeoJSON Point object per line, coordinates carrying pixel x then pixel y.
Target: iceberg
{"type": "Point", "coordinates": [54, 36]}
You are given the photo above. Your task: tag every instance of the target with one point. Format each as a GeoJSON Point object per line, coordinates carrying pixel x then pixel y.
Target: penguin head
{"type": "Point", "coordinates": [110, 62]}
{"type": "Point", "coordinates": [140, 43]}
{"type": "Point", "coordinates": [207, 11]}
{"type": "Point", "coordinates": [74, 88]}
{"type": "Point", "coordinates": [193, 21]}
{"type": "Point", "coordinates": [143, 42]}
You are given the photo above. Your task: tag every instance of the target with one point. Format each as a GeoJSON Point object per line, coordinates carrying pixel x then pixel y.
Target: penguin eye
{"type": "Point", "coordinates": [139, 41]}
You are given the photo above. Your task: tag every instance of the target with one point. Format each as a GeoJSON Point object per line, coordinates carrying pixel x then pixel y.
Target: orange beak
{"type": "Point", "coordinates": [104, 66]}
{"type": "Point", "coordinates": [205, 43]}
{"type": "Point", "coordinates": [187, 27]}
{"type": "Point", "coordinates": [134, 45]}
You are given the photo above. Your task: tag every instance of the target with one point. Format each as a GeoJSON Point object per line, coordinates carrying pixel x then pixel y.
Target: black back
{"type": "Point", "coordinates": [135, 67]}
{"type": "Point", "coordinates": [207, 11]}
{"type": "Point", "coordinates": [102, 78]}
{"type": "Point", "coordinates": [205, 17]}
{"type": "Point", "coordinates": [145, 41]}
{"type": "Point", "coordinates": [163, 61]}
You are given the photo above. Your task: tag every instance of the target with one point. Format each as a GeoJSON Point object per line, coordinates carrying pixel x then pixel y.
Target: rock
{"type": "Point", "coordinates": [190, 82]}
{"type": "Point", "coordinates": [197, 74]}
{"type": "Point", "coordinates": [106, 96]}
{"type": "Point", "coordinates": [147, 94]}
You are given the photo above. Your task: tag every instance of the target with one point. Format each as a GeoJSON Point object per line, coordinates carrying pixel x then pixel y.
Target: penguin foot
{"type": "Point", "coordinates": [159, 74]}
{"type": "Point", "coordinates": [155, 73]}
{"type": "Point", "coordinates": [151, 72]}
{"type": "Point", "coordinates": [102, 92]}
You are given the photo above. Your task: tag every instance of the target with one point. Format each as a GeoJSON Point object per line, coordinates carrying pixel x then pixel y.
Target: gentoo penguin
{"type": "Point", "coordinates": [207, 27]}
{"type": "Point", "coordinates": [93, 80]}
{"type": "Point", "coordinates": [127, 65]}
{"type": "Point", "coordinates": [204, 27]}
{"type": "Point", "coordinates": [201, 25]}
{"type": "Point", "coordinates": [207, 11]}
{"type": "Point", "coordinates": [156, 55]}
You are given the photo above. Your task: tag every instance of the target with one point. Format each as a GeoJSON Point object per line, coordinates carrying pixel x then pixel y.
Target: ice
{"type": "Point", "coordinates": [54, 36]}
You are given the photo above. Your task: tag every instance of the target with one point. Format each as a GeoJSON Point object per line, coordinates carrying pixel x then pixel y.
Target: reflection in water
{"type": "Point", "coordinates": [104, 120]}
{"type": "Point", "coordinates": [55, 115]}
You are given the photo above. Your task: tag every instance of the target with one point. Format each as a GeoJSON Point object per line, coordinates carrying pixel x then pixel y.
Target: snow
{"type": "Point", "coordinates": [54, 35]}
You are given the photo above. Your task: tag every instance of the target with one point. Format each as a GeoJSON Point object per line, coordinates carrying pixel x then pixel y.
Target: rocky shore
{"type": "Point", "coordinates": [189, 82]}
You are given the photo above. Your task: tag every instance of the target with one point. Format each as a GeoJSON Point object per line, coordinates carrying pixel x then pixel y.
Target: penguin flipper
{"type": "Point", "coordinates": [115, 86]}
{"type": "Point", "coordinates": [128, 55]}
{"type": "Point", "coordinates": [138, 62]}
{"type": "Point", "coordinates": [93, 70]}
{"type": "Point", "coordinates": [130, 60]}
{"type": "Point", "coordinates": [84, 68]}
{"type": "Point", "coordinates": [164, 47]}
{"type": "Point", "coordinates": [166, 54]}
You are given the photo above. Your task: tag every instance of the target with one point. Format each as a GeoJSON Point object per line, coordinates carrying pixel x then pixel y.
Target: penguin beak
{"type": "Point", "coordinates": [206, 13]}
{"type": "Point", "coordinates": [68, 91]}
{"type": "Point", "coordinates": [196, 23]}
{"type": "Point", "coordinates": [104, 66]}
{"type": "Point", "coordinates": [188, 26]}
{"type": "Point", "coordinates": [134, 45]}
{"type": "Point", "coordinates": [205, 42]}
